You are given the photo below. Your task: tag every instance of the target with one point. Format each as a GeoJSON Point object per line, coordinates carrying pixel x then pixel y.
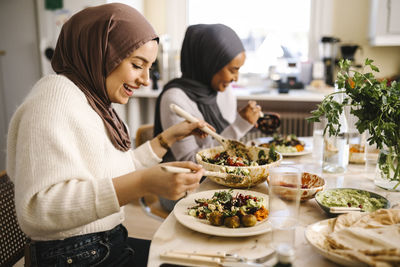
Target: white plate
{"type": "Point", "coordinates": [262, 140]}
{"type": "Point", "coordinates": [316, 234]}
{"type": "Point", "coordinates": [203, 226]}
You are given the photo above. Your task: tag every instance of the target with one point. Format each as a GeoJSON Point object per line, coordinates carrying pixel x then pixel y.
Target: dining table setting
{"type": "Point", "coordinates": [321, 234]}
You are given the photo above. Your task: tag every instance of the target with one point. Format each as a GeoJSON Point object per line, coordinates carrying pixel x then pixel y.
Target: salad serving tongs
{"type": "Point", "coordinates": [224, 175]}
{"type": "Point", "coordinates": [218, 258]}
{"type": "Point", "coordinates": [343, 209]}
{"type": "Point", "coordinates": [233, 147]}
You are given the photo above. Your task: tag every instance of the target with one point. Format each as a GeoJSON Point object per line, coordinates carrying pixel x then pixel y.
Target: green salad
{"type": "Point", "coordinates": [229, 209]}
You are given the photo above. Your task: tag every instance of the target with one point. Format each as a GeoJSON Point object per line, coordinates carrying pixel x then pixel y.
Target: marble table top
{"type": "Point", "coordinates": [173, 235]}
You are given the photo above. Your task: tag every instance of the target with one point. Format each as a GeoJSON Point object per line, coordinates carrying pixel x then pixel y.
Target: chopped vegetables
{"type": "Point", "coordinates": [285, 144]}
{"type": "Point", "coordinates": [223, 208]}
{"type": "Point", "coordinates": [224, 159]}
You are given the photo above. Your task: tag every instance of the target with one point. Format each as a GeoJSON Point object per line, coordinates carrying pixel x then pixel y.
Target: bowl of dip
{"type": "Point", "coordinates": [311, 184]}
{"type": "Point", "coordinates": [350, 197]}
{"type": "Point", "coordinates": [255, 170]}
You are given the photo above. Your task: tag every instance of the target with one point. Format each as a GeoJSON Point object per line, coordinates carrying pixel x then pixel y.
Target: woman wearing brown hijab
{"type": "Point", "coordinates": [69, 154]}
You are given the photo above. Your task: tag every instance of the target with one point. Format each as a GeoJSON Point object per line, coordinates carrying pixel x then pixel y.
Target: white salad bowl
{"type": "Point", "coordinates": [255, 174]}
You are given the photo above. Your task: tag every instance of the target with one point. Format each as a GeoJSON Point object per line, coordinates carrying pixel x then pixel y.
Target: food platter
{"type": "Point", "coordinates": [316, 234]}
{"type": "Point", "coordinates": [203, 226]}
{"type": "Point", "coordinates": [307, 149]}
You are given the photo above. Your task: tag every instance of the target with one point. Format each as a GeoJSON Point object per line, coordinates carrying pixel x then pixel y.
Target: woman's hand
{"type": "Point", "coordinates": [154, 180]}
{"type": "Point", "coordinates": [183, 129]}
{"type": "Point", "coordinates": [172, 185]}
{"type": "Point", "coordinates": [168, 137]}
{"type": "Point", "coordinates": [251, 112]}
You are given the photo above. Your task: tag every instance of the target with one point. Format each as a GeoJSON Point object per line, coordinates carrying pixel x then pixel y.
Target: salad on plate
{"type": "Point", "coordinates": [285, 143]}
{"type": "Point", "coordinates": [229, 209]}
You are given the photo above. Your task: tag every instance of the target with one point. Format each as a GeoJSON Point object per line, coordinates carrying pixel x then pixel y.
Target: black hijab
{"type": "Point", "coordinates": [206, 49]}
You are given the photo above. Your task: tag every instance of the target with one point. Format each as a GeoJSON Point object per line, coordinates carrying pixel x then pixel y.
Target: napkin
{"type": "Point", "coordinates": [372, 238]}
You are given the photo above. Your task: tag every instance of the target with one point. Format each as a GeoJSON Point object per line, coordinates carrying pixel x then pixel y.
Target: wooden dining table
{"type": "Point", "coordinates": [174, 236]}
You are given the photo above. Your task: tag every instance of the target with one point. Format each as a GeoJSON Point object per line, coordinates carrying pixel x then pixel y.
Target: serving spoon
{"type": "Point", "coordinates": [233, 147]}
{"type": "Point", "coordinates": [224, 175]}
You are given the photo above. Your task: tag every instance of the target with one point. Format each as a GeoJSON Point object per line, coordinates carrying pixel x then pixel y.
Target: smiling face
{"type": "Point", "coordinates": [228, 74]}
{"type": "Point", "coordinates": [131, 73]}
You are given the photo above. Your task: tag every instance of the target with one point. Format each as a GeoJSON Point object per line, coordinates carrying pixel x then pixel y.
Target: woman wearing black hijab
{"type": "Point", "coordinates": [211, 57]}
{"type": "Point", "coordinates": [69, 154]}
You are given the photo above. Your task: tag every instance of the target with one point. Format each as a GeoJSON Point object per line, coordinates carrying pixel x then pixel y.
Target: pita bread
{"type": "Point", "coordinates": [372, 238]}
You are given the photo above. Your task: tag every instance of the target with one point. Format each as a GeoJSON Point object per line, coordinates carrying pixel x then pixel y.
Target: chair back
{"type": "Point", "coordinates": [143, 134]}
{"type": "Point", "coordinates": [151, 205]}
{"type": "Point", "coordinates": [12, 239]}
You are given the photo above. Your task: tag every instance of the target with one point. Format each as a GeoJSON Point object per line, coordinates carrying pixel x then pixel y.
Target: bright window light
{"type": "Point", "coordinates": [270, 30]}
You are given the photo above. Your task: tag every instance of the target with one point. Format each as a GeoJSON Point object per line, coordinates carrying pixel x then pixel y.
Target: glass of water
{"type": "Point", "coordinates": [318, 140]}
{"type": "Point", "coordinates": [284, 202]}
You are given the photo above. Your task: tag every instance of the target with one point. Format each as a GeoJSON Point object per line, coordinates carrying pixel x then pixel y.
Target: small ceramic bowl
{"type": "Point", "coordinates": [311, 184]}
{"type": "Point", "coordinates": [326, 193]}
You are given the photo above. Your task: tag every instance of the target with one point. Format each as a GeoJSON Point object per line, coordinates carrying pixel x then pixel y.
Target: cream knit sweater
{"type": "Point", "coordinates": [62, 162]}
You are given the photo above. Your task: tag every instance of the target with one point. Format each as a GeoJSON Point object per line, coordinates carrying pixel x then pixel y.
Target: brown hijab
{"type": "Point", "coordinates": [92, 43]}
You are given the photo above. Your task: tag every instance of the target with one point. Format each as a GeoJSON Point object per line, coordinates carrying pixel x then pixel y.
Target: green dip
{"type": "Point", "coordinates": [351, 198]}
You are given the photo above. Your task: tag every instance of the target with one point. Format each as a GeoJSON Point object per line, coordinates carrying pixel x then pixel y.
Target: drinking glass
{"type": "Point", "coordinates": [318, 140]}
{"type": "Point", "coordinates": [284, 201]}
{"type": "Point", "coordinates": [335, 153]}
{"type": "Point", "coordinates": [371, 156]}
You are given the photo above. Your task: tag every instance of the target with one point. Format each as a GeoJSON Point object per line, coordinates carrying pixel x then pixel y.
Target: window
{"type": "Point", "coordinates": [274, 33]}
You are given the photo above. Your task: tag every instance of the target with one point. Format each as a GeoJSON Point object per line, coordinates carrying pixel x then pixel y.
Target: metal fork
{"type": "Point", "coordinates": [244, 262]}
{"type": "Point", "coordinates": [221, 258]}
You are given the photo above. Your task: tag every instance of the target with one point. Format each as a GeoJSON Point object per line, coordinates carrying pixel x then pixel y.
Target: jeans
{"type": "Point", "coordinates": [109, 248]}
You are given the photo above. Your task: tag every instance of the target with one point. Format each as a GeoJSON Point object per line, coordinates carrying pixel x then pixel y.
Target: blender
{"type": "Point", "coordinates": [328, 51]}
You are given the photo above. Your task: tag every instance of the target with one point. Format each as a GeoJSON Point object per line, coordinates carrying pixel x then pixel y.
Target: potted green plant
{"type": "Point", "coordinates": [376, 104]}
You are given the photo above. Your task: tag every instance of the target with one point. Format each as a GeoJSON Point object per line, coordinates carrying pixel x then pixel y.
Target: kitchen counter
{"type": "Point", "coordinates": [140, 109]}
{"type": "Point", "coordinates": [258, 94]}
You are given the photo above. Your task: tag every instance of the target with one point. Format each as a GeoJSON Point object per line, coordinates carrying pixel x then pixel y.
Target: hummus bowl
{"type": "Point", "coordinates": [255, 174]}
{"type": "Point", "coordinates": [350, 197]}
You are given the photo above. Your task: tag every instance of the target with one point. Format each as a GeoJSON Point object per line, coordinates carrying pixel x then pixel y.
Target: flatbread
{"type": "Point", "coordinates": [372, 238]}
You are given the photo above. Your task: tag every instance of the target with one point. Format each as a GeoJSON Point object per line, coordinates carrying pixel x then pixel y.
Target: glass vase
{"type": "Point", "coordinates": [387, 175]}
{"type": "Point", "coordinates": [335, 155]}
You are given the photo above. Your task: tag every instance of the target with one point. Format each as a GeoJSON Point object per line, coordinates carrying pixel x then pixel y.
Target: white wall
{"type": "Point", "coordinates": [20, 67]}
{"type": "Point", "coordinates": [351, 24]}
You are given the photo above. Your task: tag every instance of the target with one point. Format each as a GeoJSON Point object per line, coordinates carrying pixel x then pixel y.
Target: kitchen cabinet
{"type": "Point", "coordinates": [384, 23]}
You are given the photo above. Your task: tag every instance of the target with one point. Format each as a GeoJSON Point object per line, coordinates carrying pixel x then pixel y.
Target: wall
{"type": "Point", "coordinates": [351, 24]}
{"type": "Point", "coordinates": [168, 17]}
{"type": "Point", "coordinates": [155, 12]}
{"type": "Point", "coordinates": [20, 67]}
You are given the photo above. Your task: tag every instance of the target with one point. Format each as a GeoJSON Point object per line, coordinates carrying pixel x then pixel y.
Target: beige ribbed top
{"type": "Point", "coordinates": [62, 162]}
